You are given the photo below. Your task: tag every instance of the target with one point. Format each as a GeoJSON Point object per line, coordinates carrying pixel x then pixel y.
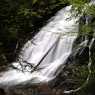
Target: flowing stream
{"type": "Point", "coordinates": [41, 57]}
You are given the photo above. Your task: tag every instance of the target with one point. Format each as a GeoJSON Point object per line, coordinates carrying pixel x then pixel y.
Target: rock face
{"type": "Point", "coordinates": [2, 92]}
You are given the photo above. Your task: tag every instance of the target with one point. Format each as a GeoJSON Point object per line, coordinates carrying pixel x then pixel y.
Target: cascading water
{"type": "Point", "coordinates": [52, 46]}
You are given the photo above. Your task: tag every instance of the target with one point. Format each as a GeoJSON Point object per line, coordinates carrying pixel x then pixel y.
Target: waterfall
{"type": "Point", "coordinates": [42, 60]}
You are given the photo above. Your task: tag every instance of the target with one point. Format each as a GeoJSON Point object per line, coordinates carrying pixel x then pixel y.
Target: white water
{"type": "Point", "coordinates": [53, 45]}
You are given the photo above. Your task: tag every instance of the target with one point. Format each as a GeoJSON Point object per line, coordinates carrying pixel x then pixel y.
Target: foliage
{"type": "Point", "coordinates": [21, 20]}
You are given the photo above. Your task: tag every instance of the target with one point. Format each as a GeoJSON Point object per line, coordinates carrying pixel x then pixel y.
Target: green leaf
{"type": "Point", "coordinates": [34, 2]}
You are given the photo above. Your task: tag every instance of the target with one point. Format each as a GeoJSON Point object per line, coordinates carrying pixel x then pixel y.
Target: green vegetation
{"type": "Point", "coordinates": [21, 20]}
